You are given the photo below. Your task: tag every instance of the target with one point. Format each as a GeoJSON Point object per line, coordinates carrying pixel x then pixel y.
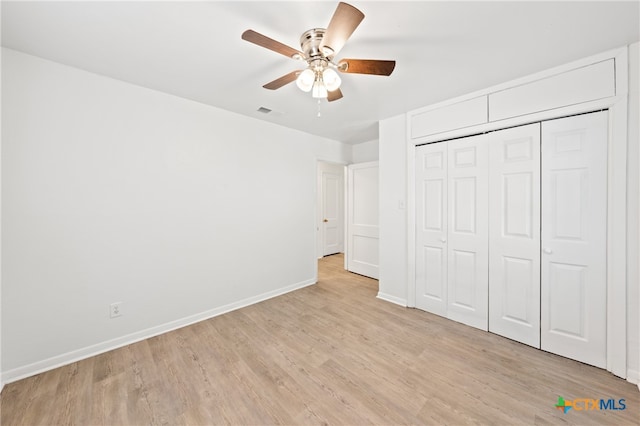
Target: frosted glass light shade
{"type": "Point", "coordinates": [319, 89]}
{"type": "Point", "coordinates": [305, 80]}
{"type": "Point", "coordinates": [331, 79]}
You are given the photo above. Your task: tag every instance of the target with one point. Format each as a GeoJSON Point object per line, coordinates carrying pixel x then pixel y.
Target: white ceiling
{"type": "Point", "coordinates": [443, 49]}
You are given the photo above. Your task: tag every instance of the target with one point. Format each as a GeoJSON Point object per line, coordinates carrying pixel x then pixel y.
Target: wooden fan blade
{"type": "Point", "coordinates": [344, 22]}
{"type": "Point", "coordinates": [279, 82]}
{"type": "Point", "coordinates": [334, 96]}
{"type": "Point", "coordinates": [366, 66]}
{"type": "Point", "coordinates": [271, 44]}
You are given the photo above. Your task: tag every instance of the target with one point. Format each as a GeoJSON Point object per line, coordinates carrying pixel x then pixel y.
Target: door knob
{"type": "Point", "coordinates": [325, 220]}
{"type": "Point", "coordinates": [443, 240]}
{"type": "Point", "coordinates": [547, 250]}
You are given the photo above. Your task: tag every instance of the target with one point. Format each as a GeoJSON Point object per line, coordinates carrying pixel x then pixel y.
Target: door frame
{"type": "Point", "coordinates": [318, 212]}
{"type": "Point", "coordinates": [616, 190]}
{"type": "Point", "coordinates": [319, 205]}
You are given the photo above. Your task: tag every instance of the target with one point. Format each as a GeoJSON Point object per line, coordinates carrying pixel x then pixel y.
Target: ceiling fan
{"type": "Point", "coordinates": [318, 49]}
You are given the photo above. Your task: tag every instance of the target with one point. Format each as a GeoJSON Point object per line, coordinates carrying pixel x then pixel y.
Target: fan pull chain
{"type": "Point", "coordinates": [319, 114]}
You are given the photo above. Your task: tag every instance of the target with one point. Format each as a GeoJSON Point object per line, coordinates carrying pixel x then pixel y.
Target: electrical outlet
{"type": "Point", "coordinates": [115, 310]}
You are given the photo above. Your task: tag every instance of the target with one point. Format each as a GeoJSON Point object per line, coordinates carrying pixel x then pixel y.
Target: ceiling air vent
{"type": "Point", "coordinates": [264, 110]}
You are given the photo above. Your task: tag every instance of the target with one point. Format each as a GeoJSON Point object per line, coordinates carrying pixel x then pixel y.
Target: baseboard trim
{"type": "Point", "coordinates": [633, 376]}
{"type": "Point", "coordinates": [109, 345]}
{"type": "Point", "coordinates": [392, 299]}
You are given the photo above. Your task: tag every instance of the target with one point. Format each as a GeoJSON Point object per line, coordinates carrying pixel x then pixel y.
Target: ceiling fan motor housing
{"type": "Point", "coordinates": [311, 41]}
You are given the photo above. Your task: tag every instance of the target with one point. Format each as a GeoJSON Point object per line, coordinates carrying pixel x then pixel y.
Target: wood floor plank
{"type": "Point", "coordinates": [331, 353]}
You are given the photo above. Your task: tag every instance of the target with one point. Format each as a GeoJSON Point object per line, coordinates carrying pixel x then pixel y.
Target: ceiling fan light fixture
{"type": "Point", "coordinates": [318, 46]}
{"type": "Point", "coordinates": [331, 79]}
{"type": "Point", "coordinates": [319, 89]}
{"type": "Point", "coordinates": [305, 80]}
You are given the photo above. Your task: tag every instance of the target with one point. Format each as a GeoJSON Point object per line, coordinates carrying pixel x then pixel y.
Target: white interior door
{"type": "Point", "coordinates": [574, 207]}
{"type": "Point", "coordinates": [431, 228]}
{"type": "Point", "coordinates": [514, 233]}
{"type": "Point", "coordinates": [362, 219]}
{"type": "Point", "coordinates": [467, 240]}
{"type": "Point", "coordinates": [332, 207]}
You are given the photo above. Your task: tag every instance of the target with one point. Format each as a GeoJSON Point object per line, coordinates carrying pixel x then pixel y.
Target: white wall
{"type": "Point", "coordinates": [1, 380]}
{"type": "Point", "coordinates": [116, 193]}
{"type": "Point", "coordinates": [633, 218]}
{"type": "Point", "coordinates": [393, 213]}
{"type": "Point", "coordinates": [365, 152]}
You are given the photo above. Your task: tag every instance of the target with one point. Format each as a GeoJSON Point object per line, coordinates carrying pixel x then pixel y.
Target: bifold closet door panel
{"type": "Point", "coordinates": [467, 241]}
{"type": "Point", "coordinates": [574, 237]}
{"type": "Point", "coordinates": [514, 233]}
{"type": "Point", "coordinates": [431, 228]}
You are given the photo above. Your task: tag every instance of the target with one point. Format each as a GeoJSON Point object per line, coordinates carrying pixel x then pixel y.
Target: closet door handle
{"type": "Point", "coordinates": [443, 240]}
{"type": "Point", "coordinates": [547, 250]}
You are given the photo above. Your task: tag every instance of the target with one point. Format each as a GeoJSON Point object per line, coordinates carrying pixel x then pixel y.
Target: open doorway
{"type": "Point", "coordinates": [330, 209]}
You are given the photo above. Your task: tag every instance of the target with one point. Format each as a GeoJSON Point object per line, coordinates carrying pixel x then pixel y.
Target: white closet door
{"type": "Point", "coordinates": [514, 233]}
{"type": "Point", "coordinates": [431, 228]}
{"type": "Point", "coordinates": [574, 207]}
{"type": "Point", "coordinates": [467, 254]}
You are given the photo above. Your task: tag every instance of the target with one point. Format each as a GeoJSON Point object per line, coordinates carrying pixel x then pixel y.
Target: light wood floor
{"type": "Point", "coordinates": [327, 354]}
